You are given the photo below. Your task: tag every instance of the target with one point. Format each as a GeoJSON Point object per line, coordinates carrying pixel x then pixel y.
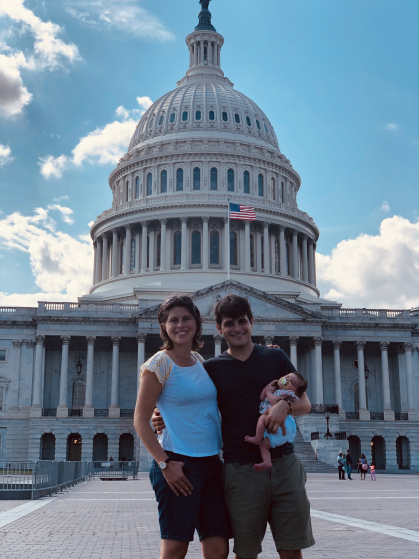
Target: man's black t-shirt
{"type": "Point", "coordinates": [239, 385]}
{"type": "Point", "coordinates": [349, 459]}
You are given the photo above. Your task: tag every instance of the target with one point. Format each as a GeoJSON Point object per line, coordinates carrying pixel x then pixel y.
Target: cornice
{"type": "Point", "coordinates": [368, 326]}
{"type": "Point", "coordinates": [84, 320]}
{"type": "Point", "coordinates": [17, 324]}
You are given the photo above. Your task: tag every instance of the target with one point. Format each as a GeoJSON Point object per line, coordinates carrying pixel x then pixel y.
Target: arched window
{"type": "Point", "coordinates": [132, 263]}
{"type": "Point", "coordinates": [149, 184]}
{"type": "Point", "coordinates": [266, 130]}
{"type": "Point", "coordinates": [248, 121]}
{"type": "Point", "coordinates": [214, 179]}
{"type": "Point", "coordinates": [260, 185]}
{"type": "Point", "coordinates": [198, 115]}
{"type": "Point", "coordinates": [185, 116]}
{"type": "Point", "coordinates": [252, 251]}
{"type": "Point", "coordinates": [79, 394]}
{"type": "Point", "coordinates": [163, 182]}
{"type": "Point", "coordinates": [172, 118]}
{"type": "Point", "coordinates": [196, 247]}
{"type": "Point", "coordinates": [121, 271]}
{"type": "Point", "coordinates": [148, 251]}
{"type": "Point", "coordinates": [237, 118]}
{"type": "Point", "coordinates": [177, 248]}
{"type": "Point", "coordinates": [126, 192]}
{"type": "Point", "coordinates": [158, 250]}
{"type": "Point", "coordinates": [233, 249]}
{"type": "Point", "coordinates": [161, 120]}
{"type": "Point", "coordinates": [47, 447]}
{"type": "Point", "coordinates": [225, 116]}
{"type": "Point", "coordinates": [211, 115]}
{"type": "Point", "coordinates": [230, 180]}
{"type": "Point", "coordinates": [273, 188]}
{"type": "Point", "coordinates": [215, 248]}
{"type": "Point", "coordinates": [282, 192]}
{"type": "Point", "coordinates": [197, 178]}
{"type": "Point", "coordinates": [137, 187]}
{"type": "Point", "coordinates": [277, 256]}
{"type": "Point", "coordinates": [151, 123]}
{"type": "Point", "coordinates": [179, 180]}
{"type": "Point", "coordinates": [246, 182]}
{"type": "Point", "coordinates": [258, 124]}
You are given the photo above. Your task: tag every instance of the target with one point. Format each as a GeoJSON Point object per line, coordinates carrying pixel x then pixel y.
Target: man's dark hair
{"type": "Point", "coordinates": [304, 384]}
{"type": "Point", "coordinates": [349, 450]}
{"type": "Point", "coordinates": [163, 314]}
{"type": "Point", "coordinates": [232, 306]}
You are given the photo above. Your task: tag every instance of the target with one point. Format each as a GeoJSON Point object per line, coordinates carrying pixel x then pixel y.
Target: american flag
{"type": "Point", "coordinates": [242, 212]}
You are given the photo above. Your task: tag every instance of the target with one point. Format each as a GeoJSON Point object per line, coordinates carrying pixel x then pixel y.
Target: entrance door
{"type": "Point", "coordinates": [378, 451]}
{"type": "Point", "coordinates": [126, 447]}
{"type": "Point", "coordinates": [100, 447]}
{"type": "Point", "coordinates": [403, 453]}
{"type": "Point", "coordinates": [74, 447]}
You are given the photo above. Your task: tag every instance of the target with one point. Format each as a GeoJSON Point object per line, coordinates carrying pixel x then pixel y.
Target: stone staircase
{"type": "Point", "coordinates": [307, 456]}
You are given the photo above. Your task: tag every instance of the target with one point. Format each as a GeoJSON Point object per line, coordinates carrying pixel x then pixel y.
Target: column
{"type": "Point", "coordinates": [205, 243]}
{"type": "Point", "coordinates": [152, 255]}
{"type": "Point", "coordinates": [43, 373]}
{"type": "Point", "coordinates": [14, 388]}
{"type": "Point", "coordinates": [88, 410]}
{"type": "Point", "coordinates": [105, 258]}
{"type": "Point", "coordinates": [282, 252]}
{"type": "Point", "coordinates": [226, 244]}
{"type": "Point", "coordinates": [338, 381]}
{"type": "Point", "coordinates": [127, 250]}
{"type": "Point", "coordinates": [319, 369]}
{"type": "Point", "coordinates": [62, 410]}
{"type": "Point", "coordinates": [295, 254]}
{"type": "Point", "coordinates": [388, 412]}
{"type": "Point", "coordinates": [265, 247]}
{"type": "Point", "coordinates": [114, 253]}
{"type": "Point", "coordinates": [268, 340]}
{"type": "Point", "coordinates": [144, 225]}
{"type": "Point", "coordinates": [163, 233]}
{"type": "Point", "coordinates": [137, 253]}
{"type": "Point", "coordinates": [184, 253]}
{"type": "Point", "coordinates": [293, 350]}
{"type": "Point", "coordinates": [311, 279]}
{"type": "Point", "coordinates": [98, 260]}
{"type": "Point", "coordinates": [401, 361]}
{"type": "Point", "coordinates": [364, 414]}
{"type": "Point", "coordinates": [247, 246]}
{"type": "Point", "coordinates": [305, 261]}
{"type": "Point", "coordinates": [114, 410]}
{"type": "Point", "coordinates": [94, 262]}
{"type": "Point", "coordinates": [312, 353]}
{"type": "Point", "coordinates": [141, 338]}
{"type": "Point", "coordinates": [308, 369]}
{"type": "Point", "coordinates": [411, 407]}
{"type": "Point", "coordinates": [217, 345]}
{"type": "Point", "coordinates": [272, 243]}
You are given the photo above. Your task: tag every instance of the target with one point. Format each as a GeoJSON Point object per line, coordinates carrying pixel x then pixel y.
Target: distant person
{"type": "Point", "coordinates": [359, 465]}
{"type": "Point", "coordinates": [364, 466]}
{"type": "Point", "coordinates": [341, 465]}
{"type": "Point", "coordinates": [349, 463]}
{"type": "Point", "coordinates": [372, 470]}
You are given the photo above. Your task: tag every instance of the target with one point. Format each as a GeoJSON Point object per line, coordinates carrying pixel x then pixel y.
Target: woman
{"type": "Point", "coordinates": [186, 472]}
{"type": "Point", "coordinates": [364, 466]}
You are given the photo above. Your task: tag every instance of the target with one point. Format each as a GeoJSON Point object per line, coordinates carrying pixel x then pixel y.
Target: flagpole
{"type": "Point", "coordinates": [228, 240]}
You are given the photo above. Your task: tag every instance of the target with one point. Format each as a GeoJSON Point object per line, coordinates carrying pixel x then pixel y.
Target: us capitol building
{"type": "Point", "coordinates": [69, 371]}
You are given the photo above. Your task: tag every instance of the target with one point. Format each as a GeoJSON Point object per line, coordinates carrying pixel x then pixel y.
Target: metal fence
{"type": "Point", "coordinates": [113, 469]}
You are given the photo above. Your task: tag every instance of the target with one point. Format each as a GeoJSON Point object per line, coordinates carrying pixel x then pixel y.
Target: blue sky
{"type": "Point", "coordinates": [338, 80]}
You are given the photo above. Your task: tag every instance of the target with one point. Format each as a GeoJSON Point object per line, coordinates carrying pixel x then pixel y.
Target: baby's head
{"type": "Point", "coordinates": [295, 382]}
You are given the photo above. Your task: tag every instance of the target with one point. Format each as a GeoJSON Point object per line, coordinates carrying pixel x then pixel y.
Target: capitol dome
{"type": "Point", "coordinates": [198, 148]}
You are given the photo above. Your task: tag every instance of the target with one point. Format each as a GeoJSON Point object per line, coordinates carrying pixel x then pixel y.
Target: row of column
{"type": "Point", "coordinates": [306, 272]}
{"type": "Point", "coordinates": [197, 53]}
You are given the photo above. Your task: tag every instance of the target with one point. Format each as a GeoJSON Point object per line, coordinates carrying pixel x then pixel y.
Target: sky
{"type": "Point", "coordinates": [338, 80]}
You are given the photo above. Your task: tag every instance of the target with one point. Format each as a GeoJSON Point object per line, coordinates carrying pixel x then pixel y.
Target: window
{"type": "Point", "coordinates": [132, 262]}
{"type": "Point", "coordinates": [248, 121]}
{"type": "Point", "coordinates": [246, 182]}
{"type": "Point", "coordinates": [198, 115]}
{"type": "Point", "coordinates": [273, 188]}
{"type": "Point", "coordinates": [158, 250]}
{"type": "Point", "coordinates": [230, 180]}
{"type": "Point", "coordinates": [282, 192]}
{"type": "Point", "coordinates": [214, 179]}
{"type": "Point", "coordinates": [149, 184]}
{"type": "Point", "coordinates": [258, 124]}
{"type": "Point", "coordinates": [211, 115]}
{"type": "Point", "coordinates": [197, 178]}
{"type": "Point", "coordinates": [177, 248]}
{"type": "Point", "coordinates": [161, 120]}
{"type": "Point", "coordinates": [225, 116]}
{"type": "Point", "coordinates": [233, 249]}
{"type": "Point", "coordinates": [196, 247]}
{"type": "Point", "coordinates": [237, 118]}
{"type": "Point", "coordinates": [185, 116]}
{"type": "Point", "coordinates": [179, 180]}
{"type": "Point", "coordinates": [277, 256]}
{"type": "Point", "coordinates": [260, 185]}
{"type": "Point", "coordinates": [3, 355]}
{"type": "Point", "coordinates": [172, 118]}
{"type": "Point", "coordinates": [205, 54]}
{"type": "Point", "coordinates": [252, 251]}
{"type": "Point", "coordinates": [137, 187]}
{"type": "Point", "coordinates": [151, 123]}
{"type": "Point", "coordinates": [1, 398]}
{"type": "Point", "coordinates": [121, 271]}
{"type": "Point", "coordinates": [215, 248]}
{"type": "Point", "coordinates": [79, 393]}
{"type": "Point", "coordinates": [163, 182]}
{"type": "Point", "coordinates": [148, 251]}
{"type": "Point", "coordinates": [266, 130]}
{"type": "Point", "coordinates": [126, 191]}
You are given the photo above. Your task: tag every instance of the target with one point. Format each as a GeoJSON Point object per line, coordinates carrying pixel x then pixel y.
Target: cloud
{"type": "Point", "coordinates": [375, 271]}
{"type": "Point", "coordinates": [5, 155]}
{"type": "Point", "coordinates": [66, 212]}
{"type": "Point", "coordinates": [61, 264]}
{"type": "Point", "coordinates": [121, 15]}
{"type": "Point", "coordinates": [100, 147]}
{"type": "Point", "coordinates": [385, 206]}
{"type": "Point", "coordinates": [48, 53]}
{"type": "Point", "coordinates": [60, 198]}
{"type": "Point", "coordinates": [391, 127]}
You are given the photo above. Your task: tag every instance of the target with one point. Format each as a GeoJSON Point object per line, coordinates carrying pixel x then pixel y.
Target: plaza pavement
{"type": "Point", "coordinates": [118, 520]}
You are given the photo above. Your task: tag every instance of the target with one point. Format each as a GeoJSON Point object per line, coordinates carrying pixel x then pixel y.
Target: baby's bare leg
{"type": "Point", "coordinates": [266, 456]}
{"type": "Point", "coordinates": [260, 431]}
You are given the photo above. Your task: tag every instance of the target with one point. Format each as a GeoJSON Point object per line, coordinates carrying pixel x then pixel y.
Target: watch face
{"type": "Point", "coordinates": [163, 465]}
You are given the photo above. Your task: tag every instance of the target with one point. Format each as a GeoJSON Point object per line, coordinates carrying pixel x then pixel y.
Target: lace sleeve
{"type": "Point", "coordinates": [160, 364]}
{"type": "Point", "coordinates": [198, 357]}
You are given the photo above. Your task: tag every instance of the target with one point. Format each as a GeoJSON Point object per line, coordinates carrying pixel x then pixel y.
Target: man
{"type": "Point", "coordinates": [341, 465]}
{"type": "Point", "coordinates": [255, 498]}
{"type": "Point", "coordinates": [349, 463]}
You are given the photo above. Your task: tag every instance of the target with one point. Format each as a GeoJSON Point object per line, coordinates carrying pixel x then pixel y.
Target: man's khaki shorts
{"type": "Point", "coordinates": [277, 496]}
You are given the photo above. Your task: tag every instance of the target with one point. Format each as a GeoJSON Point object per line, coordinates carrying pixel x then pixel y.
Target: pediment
{"type": "Point", "coordinates": [264, 306]}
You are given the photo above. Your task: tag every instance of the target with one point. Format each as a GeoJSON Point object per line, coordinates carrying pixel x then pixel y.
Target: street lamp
{"type": "Point", "coordinates": [328, 434]}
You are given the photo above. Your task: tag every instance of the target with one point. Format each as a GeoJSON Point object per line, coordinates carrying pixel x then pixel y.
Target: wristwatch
{"type": "Point", "coordinates": [163, 464]}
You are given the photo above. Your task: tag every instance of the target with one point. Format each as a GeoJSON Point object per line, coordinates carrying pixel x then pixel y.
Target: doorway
{"type": "Point", "coordinates": [74, 444]}
{"type": "Point", "coordinates": [378, 452]}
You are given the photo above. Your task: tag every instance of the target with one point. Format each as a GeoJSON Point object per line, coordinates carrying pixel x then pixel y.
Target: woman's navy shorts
{"type": "Point", "coordinates": [204, 511]}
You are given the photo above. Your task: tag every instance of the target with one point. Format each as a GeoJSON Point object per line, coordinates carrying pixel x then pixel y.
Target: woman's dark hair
{"type": "Point", "coordinates": [232, 306]}
{"type": "Point", "coordinates": [304, 384]}
{"type": "Point", "coordinates": [166, 307]}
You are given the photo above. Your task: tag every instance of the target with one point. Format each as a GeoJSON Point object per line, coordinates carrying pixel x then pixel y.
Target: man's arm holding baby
{"type": "Point", "coordinates": [277, 414]}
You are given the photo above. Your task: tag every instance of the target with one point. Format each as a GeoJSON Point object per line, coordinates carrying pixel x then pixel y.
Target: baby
{"type": "Point", "coordinates": [286, 388]}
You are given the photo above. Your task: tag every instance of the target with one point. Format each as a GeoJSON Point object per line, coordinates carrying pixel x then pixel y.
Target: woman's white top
{"type": "Point", "coordinates": [188, 405]}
